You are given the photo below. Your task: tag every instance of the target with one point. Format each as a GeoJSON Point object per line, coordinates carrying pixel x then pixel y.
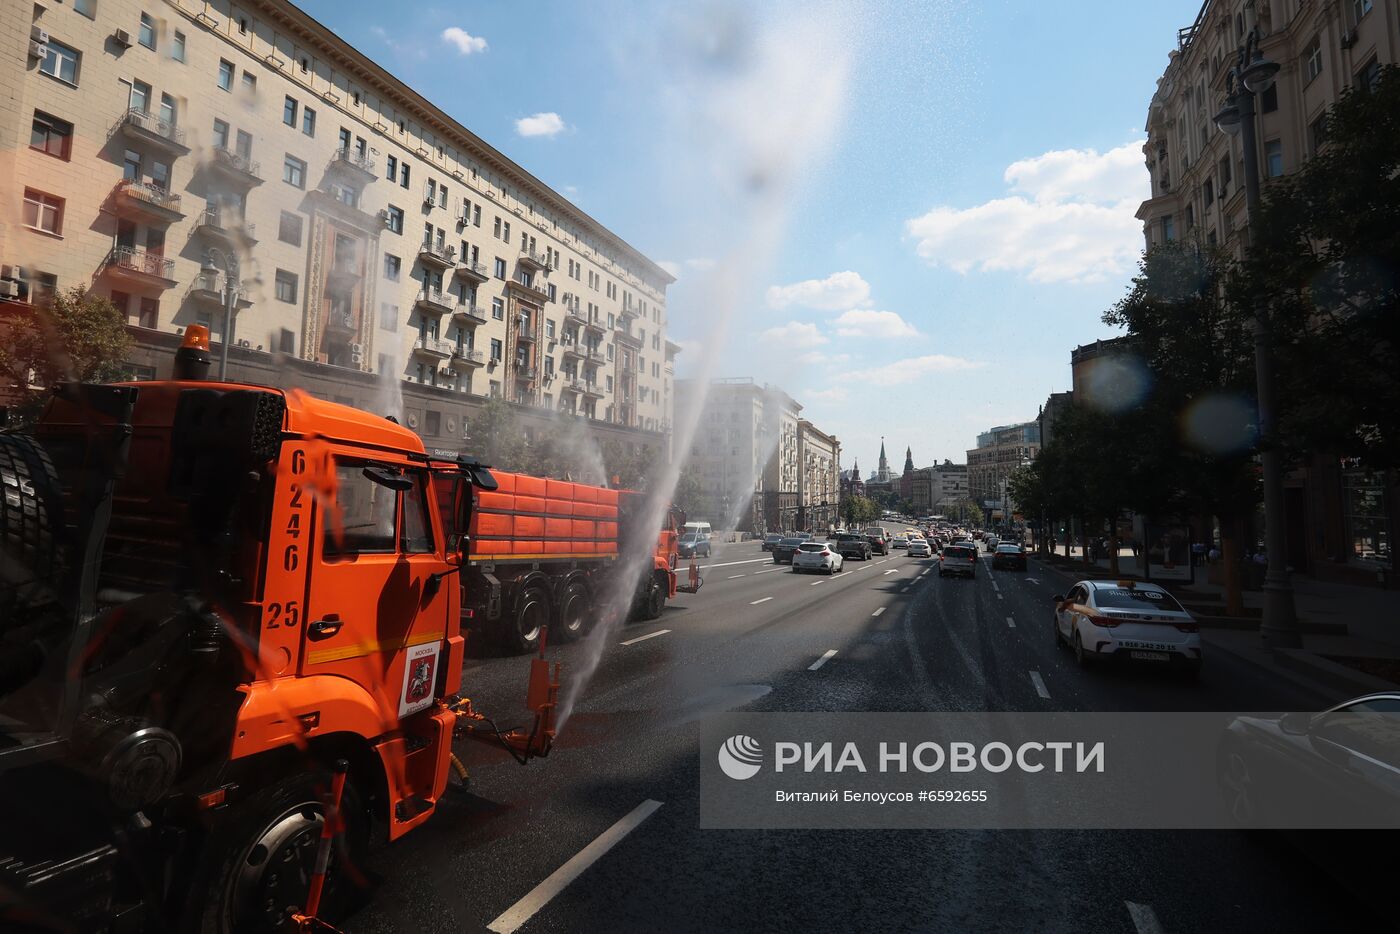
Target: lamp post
{"type": "Point", "coordinates": [229, 264]}
{"type": "Point", "coordinates": [1253, 75]}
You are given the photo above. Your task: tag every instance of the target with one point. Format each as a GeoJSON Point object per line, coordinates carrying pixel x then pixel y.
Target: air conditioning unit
{"type": "Point", "coordinates": [1349, 38]}
{"type": "Point", "coordinates": [357, 348]}
{"type": "Point", "coordinates": [383, 217]}
{"type": "Point", "coordinates": [38, 50]}
{"type": "Point", "coordinates": [38, 35]}
{"type": "Point", "coordinates": [244, 342]}
{"type": "Point", "coordinates": [356, 358]}
{"type": "Point", "coordinates": [122, 38]}
{"type": "Point", "coordinates": [412, 419]}
{"type": "Point", "coordinates": [451, 425]}
{"type": "Point", "coordinates": [9, 289]}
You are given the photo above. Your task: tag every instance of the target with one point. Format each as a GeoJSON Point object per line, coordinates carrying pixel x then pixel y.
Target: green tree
{"type": "Point", "coordinates": [81, 337]}
{"type": "Point", "coordinates": [689, 494]}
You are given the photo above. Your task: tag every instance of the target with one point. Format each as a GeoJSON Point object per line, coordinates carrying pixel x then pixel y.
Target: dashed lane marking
{"type": "Point", "coordinates": [760, 600]}
{"type": "Point", "coordinates": [1144, 918]}
{"type": "Point", "coordinates": [821, 661]}
{"type": "Point", "coordinates": [1039, 683]}
{"type": "Point", "coordinates": [650, 635]}
{"type": "Point", "coordinates": [878, 612]}
{"type": "Point", "coordinates": [1011, 622]}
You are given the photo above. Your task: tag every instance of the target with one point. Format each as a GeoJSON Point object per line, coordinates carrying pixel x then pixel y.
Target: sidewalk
{"type": "Point", "coordinates": [1351, 634]}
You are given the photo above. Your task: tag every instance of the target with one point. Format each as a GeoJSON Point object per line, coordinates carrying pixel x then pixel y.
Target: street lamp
{"type": "Point", "coordinates": [1252, 75]}
{"type": "Point", "coordinates": [229, 264]}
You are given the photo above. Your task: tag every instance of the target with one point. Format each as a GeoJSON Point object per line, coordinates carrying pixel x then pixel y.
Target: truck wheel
{"type": "Point", "coordinates": [258, 861]}
{"type": "Point", "coordinates": [32, 560]}
{"type": "Point", "coordinates": [573, 622]}
{"type": "Point", "coordinates": [654, 602]}
{"type": "Point", "coordinates": [532, 613]}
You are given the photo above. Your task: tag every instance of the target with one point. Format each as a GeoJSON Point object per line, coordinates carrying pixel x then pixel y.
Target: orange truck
{"type": "Point", "coordinates": [231, 648]}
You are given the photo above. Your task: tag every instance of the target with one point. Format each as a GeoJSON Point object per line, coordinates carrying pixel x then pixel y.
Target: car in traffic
{"type": "Point", "coordinates": [900, 541]}
{"type": "Point", "coordinates": [879, 541]}
{"type": "Point", "coordinates": [817, 556]}
{"type": "Point", "coordinates": [769, 541]}
{"type": "Point", "coordinates": [852, 545]}
{"type": "Point", "coordinates": [693, 545]}
{"type": "Point", "coordinates": [1127, 621]}
{"type": "Point", "coordinates": [958, 561]}
{"type": "Point", "coordinates": [918, 548]}
{"type": "Point", "coordinates": [785, 548]}
{"type": "Point", "coordinates": [1008, 555]}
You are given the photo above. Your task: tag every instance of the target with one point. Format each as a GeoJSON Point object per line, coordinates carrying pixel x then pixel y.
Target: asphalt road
{"type": "Point", "coordinates": [903, 640]}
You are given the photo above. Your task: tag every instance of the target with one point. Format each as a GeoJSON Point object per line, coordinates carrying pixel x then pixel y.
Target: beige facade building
{"type": "Point", "coordinates": [998, 453]}
{"type": "Point", "coordinates": [818, 477]}
{"type": "Point", "coordinates": [1197, 169]}
{"type": "Point", "coordinates": [373, 234]}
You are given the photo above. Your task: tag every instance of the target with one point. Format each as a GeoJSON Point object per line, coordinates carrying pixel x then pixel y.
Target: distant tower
{"type": "Point", "coordinates": [908, 461]}
{"type": "Point", "coordinates": [855, 469]}
{"type": "Point", "coordinates": [882, 475]}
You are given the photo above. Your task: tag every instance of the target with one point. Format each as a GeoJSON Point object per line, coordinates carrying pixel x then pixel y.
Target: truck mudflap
{"type": "Point", "coordinates": [541, 699]}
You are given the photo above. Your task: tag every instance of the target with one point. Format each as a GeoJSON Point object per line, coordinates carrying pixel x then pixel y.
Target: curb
{"type": "Point", "coordinates": [1330, 673]}
{"type": "Point", "coordinates": [1327, 692]}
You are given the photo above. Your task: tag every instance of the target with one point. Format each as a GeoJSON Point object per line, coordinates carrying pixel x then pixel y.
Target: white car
{"type": "Point", "coordinates": [1127, 621]}
{"type": "Point", "coordinates": [918, 548]}
{"type": "Point", "coordinates": [817, 556]}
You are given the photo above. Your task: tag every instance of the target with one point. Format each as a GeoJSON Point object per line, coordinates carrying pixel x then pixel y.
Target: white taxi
{"type": "Point", "coordinates": [817, 556]}
{"type": "Point", "coordinates": [1127, 621]}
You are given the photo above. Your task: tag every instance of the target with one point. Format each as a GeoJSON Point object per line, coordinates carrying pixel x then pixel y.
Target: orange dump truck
{"type": "Point", "coordinates": [230, 653]}
{"type": "Point", "coordinates": [554, 553]}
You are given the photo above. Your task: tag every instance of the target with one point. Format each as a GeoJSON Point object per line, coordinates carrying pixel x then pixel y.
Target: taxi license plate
{"type": "Point", "coordinates": [1151, 656]}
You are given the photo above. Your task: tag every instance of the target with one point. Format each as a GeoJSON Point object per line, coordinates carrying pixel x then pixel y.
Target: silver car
{"type": "Point", "coordinates": [817, 556]}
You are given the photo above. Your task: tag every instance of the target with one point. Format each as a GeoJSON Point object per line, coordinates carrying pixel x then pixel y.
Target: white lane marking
{"type": "Point", "coordinates": [770, 570]}
{"type": "Point", "coordinates": [650, 635]}
{"type": "Point", "coordinates": [821, 661]}
{"type": "Point", "coordinates": [893, 571]}
{"type": "Point", "coordinates": [878, 612]}
{"type": "Point", "coordinates": [815, 583]}
{"type": "Point", "coordinates": [1011, 622]}
{"type": "Point", "coordinates": [1030, 580]}
{"type": "Point", "coordinates": [904, 589]}
{"type": "Point", "coordinates": [1144, 918]}
{"type": "Point", "coordinates": [734, 577]}
{"type": "Point", "coordinates": [516, 915]}
{"type": "Point", "coordinates": [730, 564]}
{"type": "Point", "coordinates": [994, 583]}
{"type": "Point", "coordinates": [1039, 683]}
{"type": "Point", "coordinates": [999, 596]}
{"type": "Point", "coordinates": [760, 600]}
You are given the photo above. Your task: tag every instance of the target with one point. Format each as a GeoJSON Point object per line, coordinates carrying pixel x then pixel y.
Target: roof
{"type": "Point", "coordinates": [308, 415]}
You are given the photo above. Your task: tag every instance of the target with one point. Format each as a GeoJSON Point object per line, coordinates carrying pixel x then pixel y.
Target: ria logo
{"type": "Point", "coordinates": [740, 757]}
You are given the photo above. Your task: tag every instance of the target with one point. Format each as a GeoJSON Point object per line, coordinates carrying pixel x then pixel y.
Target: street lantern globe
{"type": "Point", "coordinates": [1259, 75]}
{"type": "Point", "coordinates": [208, 268]}
{"type": "Point", "coordinates": [1228, 119]}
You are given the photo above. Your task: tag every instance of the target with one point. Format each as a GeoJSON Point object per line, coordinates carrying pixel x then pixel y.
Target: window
{"type": "Point", "coordinates": [476, 215]}
{"type": "Point", "coordinates": [500, 268]}
{"type": "Point", "coordinates": [286, 286]}
{"type": "Point", "coordinates": [1312, 58]}
{"type": "Point", "coordinates": [1268, 101]}
{"type": "Point", "coordinates": [551, 292]}
{"type": "Point", "coordinates": [389, 316]}
{"type": "Point", "coordinates": [43, 211]}
{"type": "Point", "coordinates": [1225, 177]}
{"type": "Point", "coordinates": [167, 109]}
{"type": "Point", "coordinates": [286, 341]}
{"type": "Point", "coordinates": [250, 82]}
{"type": "Point", "coordinates": [308, 121]}
{"type": "Point", "coordinates": [149, 315]}
{"type": "Point", "coordinates": [51, 136]}
{"type": "Point", "coordinates": [549, 328]}
{"type": "Point", "coordinates": [131, 165]}
{"type": "Point", "coordinates": [244, 146]}
{"type": "Point", "coordinates": [294, 172]}
{"type": "Point", "coordinates": [495, 389]}
{"type": "Point", "coordinates": [289, 228]}
{"type": "Point", "coordinates": [1273, 158]}
{"type": "Point", "coordinates": [146, 34]}
{"type": "Point", "coordinates": [289, 111]}
{"type": "Point", "coordinates": [1208, 192]}
{"type": "Point", "coordinates": [140, 97]}
{"type": "Point", "coordinates": [367, 512]}
{"type": "Point", "coordinates": [86, 7]}
{"type": "Point", "coordinates": [225, 75]}
{"type": "Point", "coordinates": [1368, 76]}
{"type": "Point", "coordinates": [392, 267]}
{"type": "Point", "coordinates": [177, 47]}
{"type": "Point", "coordinates": [1168, 228]}
{"type": "Point", "coordinates": [498, 309]}
{"type": "Point", "coordinates": [1317, 132]}
{"type": "Point", "coordinates": [355, 97]}
{"type": "Point", "coordinates": [393, 163]}
{"type": "Point", "coordinates": [1361, 7]}
{"type": "Point", "coordinates": [403, 175]}
{"type": "Point", "coordinates": [395, 219]}
{"type": "Point", "coordinates": [496, 350]}
{"type": "Point", "coordinates": [122, 302]}
{"type": "Point", "coordinates": [505, 235]}
{"type": "Point", "coordinates": [432, 191]}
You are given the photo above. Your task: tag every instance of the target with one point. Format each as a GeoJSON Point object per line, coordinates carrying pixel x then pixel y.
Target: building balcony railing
{"type": "Point", "coordinates": [435, 300]}
{"type": "Point", "coordinates": [433, 348]}
{"type": "Point", "coordinates": [208, 289]}
{"type": "Point", "coordinates": [153, 131]}
{"type": "Point", "coordinates": [593, 357]}
{"type": "Point", "coordinates": [465, 358]}
{"type": "Point", "coordinates": [223, 224]}
{"type": "Point", "coordinates": [442, 257]}
{"type": "Point", "coordinates": [527, 373]}
{"type": "Point", "coordinates": [572, 349]}
{"type": "Point", "coordinates": [146, 202]}
{"type": "Point", "coordinates": [571, 384]}
{"type": "Point", "coordinates": [141, 267]}
{"type": "Point", "coordinates": [623, 333]}
{"type": "Point", "coordinates": [523, 332]}
{"type": "Point", "coordinates": [592, 389]}
{"type": "Point", "coordinates": [353, 162]}
{"type": "Point", "coordinates": [473, 270]}
{"type": "Point", "coordinates": [630, 310]}
{"type": "Point", "coordinates": [468, 314]}
{"type": "Point", "coordinates": [236, 167]}
{"type": "Point", "coordinates": [534, 259]}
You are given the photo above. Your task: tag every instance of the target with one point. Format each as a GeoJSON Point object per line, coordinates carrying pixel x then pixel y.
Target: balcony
{"type": "Point", "coordinates": [534, 260]}
{"type": "Point", "coordinates": [465, 359]}
{"type": "Point", "coordinates": [593, 358]}
{"type": "Point", "coordinates": [344, 276]}
{"type": "Point", "coordinates": [526, 373]}
{"type": "Point", "coordinates": [141, 201]}
{"type": "Point", "coordinates": [220, 223]}
{"type": "Point", "coordinates": [536, 295]}
{"type": "Point", "coordinates": [235, 167]}
{"type": "Point", "coordinates": [595, 325]}
{"type": "Point", "coordinates": [522, 333]}
{"type": "Point", "coordinates": [468, 315]}
{"type": "Point", "coordinates": [354, 164]}
{"type": "Point", "coordinates": [592, 389]}
{"type": "Point", "coordinates": [474, 271]}
{"type": "Point", "coordinates": [342, 323]}
{"type": "Point", "coordinates": [139, 268]}
{"type": "Point", "coordinates": [435, 301]}
{"type": "Point", "coordinates": [571, 384]}
{"type": "Point", "coordinates": [438, 257]}
{"type": "Point", "coordinates": [208, 289]}
{"type": "Point", "coordinates": [624, 334]}
{"type": "Point", "coordinates": [572, 349]}
{"type": "Point", "coordinates": [432, 348]}
{"type": "Point", "coordinates": [141, 127]}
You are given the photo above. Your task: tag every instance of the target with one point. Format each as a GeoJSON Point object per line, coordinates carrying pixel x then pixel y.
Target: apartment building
{"type": "Point", "coordinates": [998, 453]}
{"type": "Point", "coordinates": [1197, 169]}
{"type": "Point", "coordinates": [151, 149]}
{"type": "Point", "coordinates": [818, 477]}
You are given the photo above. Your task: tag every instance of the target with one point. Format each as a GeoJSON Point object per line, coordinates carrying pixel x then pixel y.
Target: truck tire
{"type": "Point", "coordinates": [653, 601]}
{"type": "Point", "coordinates": [532, 613]}
{"type": "Point", "coordinates": [32, 557]}
{"type": "Point", "coordinates": [573, 620]}
{"type": "Point", "coordinates": [257, 861]}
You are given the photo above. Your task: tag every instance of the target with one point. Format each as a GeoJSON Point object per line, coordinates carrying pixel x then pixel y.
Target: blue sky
{"type": "Point", "coordinates": [947, 199]}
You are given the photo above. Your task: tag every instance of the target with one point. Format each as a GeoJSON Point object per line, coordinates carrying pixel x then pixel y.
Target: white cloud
{"type": "Point", "coordinates": [834, 394]}
{"type": "Point", "coordinates": [794, 334]}
{"type": "Point", "coordinates": [1069, 217]}
{"type": "Point", "coordinates": [675, 268]}
{"type": "Point", "coordinates": [859, 322]}
{"type": "Point", "coordinates": [837, 291]}
{"type": "Point", "coordinates": [700, 262]}
{"type": "Point", "coordinates": [816, 356]}
{"type": "Point", "coordinates": [911, 369]}
{"type": "Point", "coordinates": [541, 124]}
{"type": "Point", "coordinates": [671, 266]}
{"type": "Point", "coordinates": [465, 42]}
